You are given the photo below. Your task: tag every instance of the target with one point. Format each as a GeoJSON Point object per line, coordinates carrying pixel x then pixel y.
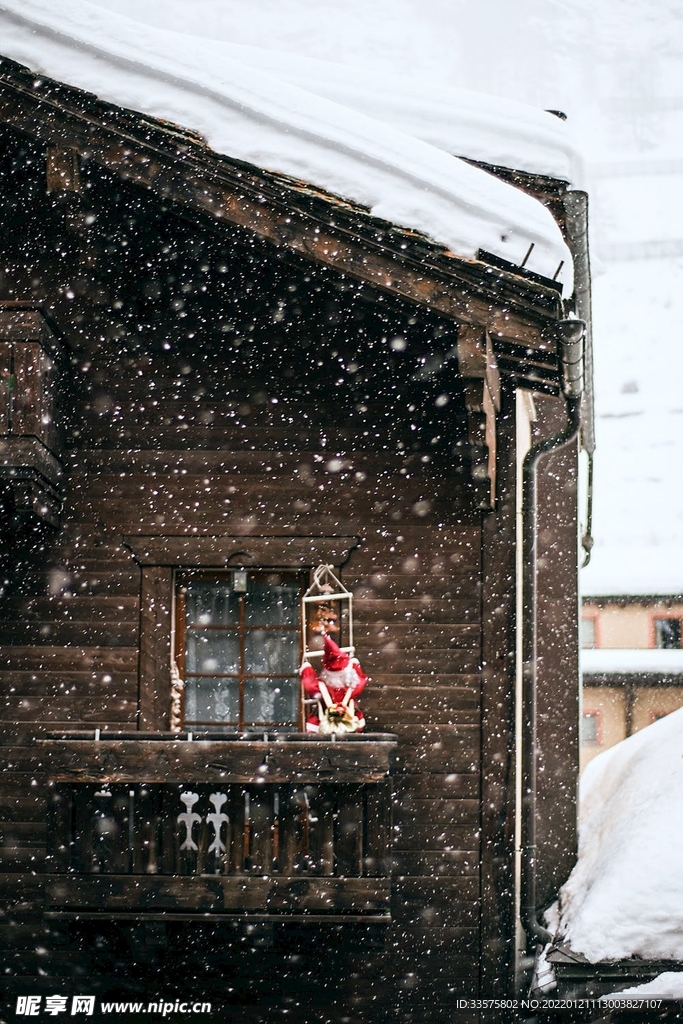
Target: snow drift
{"type": "Point", "coordinates": [624, 897]}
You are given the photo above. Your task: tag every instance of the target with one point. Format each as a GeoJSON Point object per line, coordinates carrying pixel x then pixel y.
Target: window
{"type": "Point", "coordinates": [588, 632]}
{"type": "Point", "coordinates": [590, 734]}
{"type": "Point", "coordinates": [238, 649]}
{"type": "Point", "coordinates": [668, 633]}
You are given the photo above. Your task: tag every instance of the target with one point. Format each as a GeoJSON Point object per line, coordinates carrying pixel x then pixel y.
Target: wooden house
{"type": "Point", "coordinates": [216, 379]}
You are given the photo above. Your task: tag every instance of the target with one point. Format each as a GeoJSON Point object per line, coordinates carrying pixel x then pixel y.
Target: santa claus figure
{"type": "Point", "coordinates": [335, 687]}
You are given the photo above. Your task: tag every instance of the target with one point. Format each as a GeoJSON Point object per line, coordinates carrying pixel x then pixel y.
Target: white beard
{"type": "Point", "coordinates": [341, 679]}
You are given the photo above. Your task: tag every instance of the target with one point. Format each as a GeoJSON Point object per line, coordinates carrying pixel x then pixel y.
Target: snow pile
{"type": "Point", "coordinates": [664, 662]}
{"type": "Point", "coordinates": [250, 114]}
{"type": "Point", "coordinates": [668, 985]}
{"type": "Point", "coordinates": [624, 897]}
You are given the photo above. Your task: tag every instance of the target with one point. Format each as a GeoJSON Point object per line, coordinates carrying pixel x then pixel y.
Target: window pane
{"type": "Point", "coordinates": [212, 650]}
{"type": "Point", "coordinates": [588, 633]}
{"type": "Point", "coordinates": [211, 700]}
{"type": "Point", "coordinates": [272, 700]}
{"type": "Point", "coordinates": [247, 647]}
{"type": "Point", "coordinates": [211, 604]}
{"type": "Point", "coordinates": [668, 633]}
{"type": "Point", "coordinates": [589, 728]}
{"type": "Point", "coordinates": [272, 603]}
{"type": "Point", "coordinates": [271, 651]}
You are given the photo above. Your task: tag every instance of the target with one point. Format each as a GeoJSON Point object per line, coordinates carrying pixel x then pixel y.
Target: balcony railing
{"type": "Point", "coordinates": [284, 825]}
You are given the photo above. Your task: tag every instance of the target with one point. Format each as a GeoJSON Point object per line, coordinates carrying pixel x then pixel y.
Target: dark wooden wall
{"type": "Point", "coordinates": [211, 390]}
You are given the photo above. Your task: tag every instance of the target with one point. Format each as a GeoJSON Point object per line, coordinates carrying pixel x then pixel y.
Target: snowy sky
{"type": "Point", "coordinates": [616, 69]}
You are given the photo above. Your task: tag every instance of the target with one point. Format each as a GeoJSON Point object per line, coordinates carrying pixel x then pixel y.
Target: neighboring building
{"type": "Point", "coordinates": [219, 378]}
{"type": "Point", "coordinates": [632, 666]}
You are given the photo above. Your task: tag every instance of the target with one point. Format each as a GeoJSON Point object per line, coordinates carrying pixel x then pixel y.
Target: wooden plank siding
{"type": "Point", "coordinates": [417, 631]}
{"type": "Point", "coordinates": [225, 393]}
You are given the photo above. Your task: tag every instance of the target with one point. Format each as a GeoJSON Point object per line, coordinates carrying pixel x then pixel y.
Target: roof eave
{"type": "Point", "coordinates": [519, 313]}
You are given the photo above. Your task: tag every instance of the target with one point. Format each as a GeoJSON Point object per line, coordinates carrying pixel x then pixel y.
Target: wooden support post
{"type": "Point", "coordinates": [481, 386]}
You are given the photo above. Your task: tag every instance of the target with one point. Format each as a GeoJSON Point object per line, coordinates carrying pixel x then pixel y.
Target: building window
{"type": "Point", "coordinates": [590, 733]}
{"type": "Point", "coordinates": [238, 649]}
{"type": "Point", "coordinates": [588, 632]}
{"type": "Point", "coordinates": [668, 633]}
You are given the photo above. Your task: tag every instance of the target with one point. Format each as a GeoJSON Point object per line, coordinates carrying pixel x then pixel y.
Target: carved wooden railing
{"type": "Point", "coordinates": [283, 825]}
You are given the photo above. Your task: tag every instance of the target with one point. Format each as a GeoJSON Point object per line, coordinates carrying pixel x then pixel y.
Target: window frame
{"type": "Point", "coordinates": [183, 576]}
{"type": "Point", "coordinates": [588, 615]}
{"type": "Point", "coordinates": [664, 616]}
{"type": "Point", "coordinates": [160, 555]}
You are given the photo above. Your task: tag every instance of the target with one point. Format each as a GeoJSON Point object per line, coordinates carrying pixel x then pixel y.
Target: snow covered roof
{"type": "Point", "coordinates": [624, 897]}
{"type": "Point", "coordinates": [491, 129]}
{"type": "Point", "coordinates": [249, 112]}
{"type": "Point", "coordinates": [659, 662]}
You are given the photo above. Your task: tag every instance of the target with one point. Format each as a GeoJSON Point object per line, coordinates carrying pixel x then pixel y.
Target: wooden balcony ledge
{"type": "Point", "coordinates": [206, 757]}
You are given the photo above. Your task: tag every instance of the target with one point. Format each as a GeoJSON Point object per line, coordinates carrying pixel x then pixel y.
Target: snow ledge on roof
{"type": "Point", "coordinates": [662, 662]}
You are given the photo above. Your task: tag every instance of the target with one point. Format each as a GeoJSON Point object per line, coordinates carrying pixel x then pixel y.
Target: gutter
{"type": "Point", "coordinates": [572, 335]}
{"type": "Point", "coordinates": [576, 227]}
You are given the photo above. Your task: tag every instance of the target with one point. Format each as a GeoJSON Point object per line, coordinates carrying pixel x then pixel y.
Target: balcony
{"type": "Point", "coordinates": [214, 826]}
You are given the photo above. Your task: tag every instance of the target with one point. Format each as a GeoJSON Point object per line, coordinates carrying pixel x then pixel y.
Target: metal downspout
{"type": "Point", "coordinates": [575, 203]}
{"type": "Point", "coordinates": [572, 336]}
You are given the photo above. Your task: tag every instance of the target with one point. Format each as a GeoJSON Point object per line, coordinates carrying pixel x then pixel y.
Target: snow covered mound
{"type": "Point", "coordinates": [624, 898]}
{"type": "Point", "coordinates": [249, 113]}
{"type": "Point", "coordinates": [668, 985]}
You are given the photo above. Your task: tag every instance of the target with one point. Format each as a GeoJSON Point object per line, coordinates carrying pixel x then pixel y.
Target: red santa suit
{"type": "Point", "coordinates": [342, 680]}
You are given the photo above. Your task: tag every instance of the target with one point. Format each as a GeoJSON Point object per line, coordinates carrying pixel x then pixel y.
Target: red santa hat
{"type": "Point", "coordinates": [334, 659]}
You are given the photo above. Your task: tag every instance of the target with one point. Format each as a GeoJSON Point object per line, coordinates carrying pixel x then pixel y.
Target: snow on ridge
{"type": "Point", "coordinates": [667, 662]}
{"type": "Point", "coordinates": [273, 124]}
{"type": "Point", "coordinates": [624, 897]}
